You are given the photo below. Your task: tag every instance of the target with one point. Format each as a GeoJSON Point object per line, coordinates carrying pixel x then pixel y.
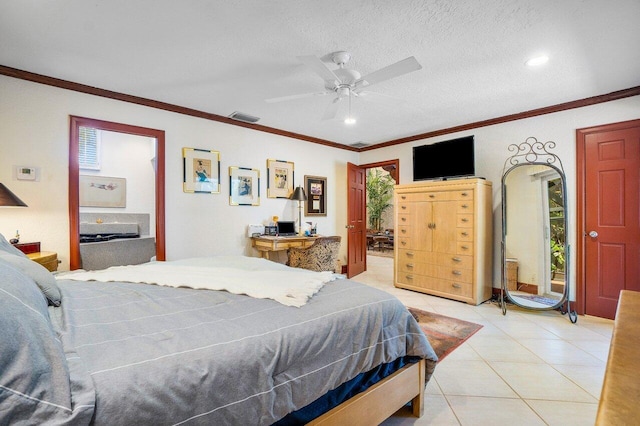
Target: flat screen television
{"type": "Point", "coordinates": [444, 160]}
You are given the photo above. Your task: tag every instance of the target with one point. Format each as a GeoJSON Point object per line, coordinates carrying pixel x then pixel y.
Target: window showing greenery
{"type": "Point", "coordinates": [557, 231]}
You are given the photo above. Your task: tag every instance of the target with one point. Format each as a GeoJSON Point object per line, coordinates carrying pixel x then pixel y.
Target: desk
{"type": "Point", "coordinates": [266, 244]}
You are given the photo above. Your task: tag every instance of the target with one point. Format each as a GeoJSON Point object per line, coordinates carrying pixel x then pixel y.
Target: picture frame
{"type": "Point", "coordinates": [244, 186]}
{"type": "Point", "coordinates": [316, 189]}
{"type": "Point", "coordinates": [280, 175]}
{"type": "Point", "coordinates": [102, 191]}
{"type": "Point", "coordinates": [201, 171]}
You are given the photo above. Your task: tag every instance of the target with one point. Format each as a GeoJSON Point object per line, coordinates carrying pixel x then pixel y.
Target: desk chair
{"type": "Point", "coordinates": [322, 255]}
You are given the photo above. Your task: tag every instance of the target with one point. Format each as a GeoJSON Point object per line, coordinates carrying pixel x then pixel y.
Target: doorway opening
{"type": "Point", "coordinates": [380, 180]}
{"type": "Point", "coordinates": [78, 123]}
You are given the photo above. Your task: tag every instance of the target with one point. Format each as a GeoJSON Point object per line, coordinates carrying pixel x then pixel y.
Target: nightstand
{"type": "Point", "coordinates": [48, 259]}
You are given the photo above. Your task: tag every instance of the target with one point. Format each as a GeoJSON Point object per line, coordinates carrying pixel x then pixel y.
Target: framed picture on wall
{"type": "Point", "coordinates": [279, 179]}
{"type": "Point", "coordinates": [244, 186]}
{"type": "Point", "coordinates": [201, 170]}
{"type": "Point", "coordinates": [316, 189]}
{"type": "Point", "coordinates": [102, 191]}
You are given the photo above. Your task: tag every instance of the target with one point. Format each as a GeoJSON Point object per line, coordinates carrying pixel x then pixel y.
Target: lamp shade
{"type": "Point", "coordinates": [299, 194]}
{"type": "Point", "coordinates": [9, 199]}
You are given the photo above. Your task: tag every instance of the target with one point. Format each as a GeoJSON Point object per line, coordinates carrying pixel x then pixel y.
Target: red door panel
{"type": "Point", "coordinates": [612, 211]}
{"type": "Point", "coordinates": [356, 221]}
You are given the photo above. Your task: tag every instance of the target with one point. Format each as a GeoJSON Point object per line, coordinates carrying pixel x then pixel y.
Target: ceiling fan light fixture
{"type": "Point", "coordinates": [537, 61]}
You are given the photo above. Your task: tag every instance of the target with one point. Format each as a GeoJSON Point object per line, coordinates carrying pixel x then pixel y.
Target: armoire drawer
{"type": "Point", "coordinates": [444, 259]}
{"type": "Point", "coordinates": [436, 284]}
{"type": "Point", "coordinates": [464, 220]}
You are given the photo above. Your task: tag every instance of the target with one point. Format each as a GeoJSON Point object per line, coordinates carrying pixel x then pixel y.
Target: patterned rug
{"type": "Point", "coordinates": [539, 299]}
{"type": "Point", "coordinates": [444, 333]}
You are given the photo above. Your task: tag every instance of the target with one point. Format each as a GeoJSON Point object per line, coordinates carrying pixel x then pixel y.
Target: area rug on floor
{"type": "Point", "coordinates": [444, 333]}
{"type": "Point", "coordinates": [539, 299]}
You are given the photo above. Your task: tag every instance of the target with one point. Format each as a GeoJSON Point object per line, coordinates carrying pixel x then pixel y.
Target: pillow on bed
{"type": "Point", "coordinates": [7, 247]}
{"type": "Point", "coordinates": [34, 373]}
{"type": "Point", "coordinates": [37, 273]}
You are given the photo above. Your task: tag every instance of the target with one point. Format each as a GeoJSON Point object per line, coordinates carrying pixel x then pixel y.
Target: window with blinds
{"type": "Point", "coordinates": [89, 148]}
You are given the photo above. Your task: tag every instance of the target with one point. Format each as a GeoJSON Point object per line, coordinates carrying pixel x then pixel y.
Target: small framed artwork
{"type": "Point", "coordinates": [244, 186]}
{"type": "Point", "coordinates": [279, 179]}
{"type": "Point", "coordinates": [102, 191]}
{"type": "Point", "coordinates": [316, 189]}
{"type": "Point", "coordinates": [201, 170]}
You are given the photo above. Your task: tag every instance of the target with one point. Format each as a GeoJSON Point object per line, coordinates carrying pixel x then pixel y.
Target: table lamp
{"type": "Point", "coordinates": [9, 199]}
{"type": "Point", "coordinates": [300, 196]}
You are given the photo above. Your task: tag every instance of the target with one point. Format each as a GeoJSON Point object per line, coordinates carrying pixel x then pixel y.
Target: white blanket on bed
{"type": "Point", "coordinates": [253, 277]}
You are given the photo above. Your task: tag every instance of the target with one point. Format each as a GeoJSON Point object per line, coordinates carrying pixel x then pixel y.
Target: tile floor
{"type": "Point", "coordinates": [525, 368]}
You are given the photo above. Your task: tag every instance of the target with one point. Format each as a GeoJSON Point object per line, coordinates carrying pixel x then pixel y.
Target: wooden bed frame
{"type": "Point", "coordinates": [381, 400]}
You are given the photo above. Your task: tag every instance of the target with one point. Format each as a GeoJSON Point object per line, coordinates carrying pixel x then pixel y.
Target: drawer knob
{"type": "Point", "coordinates": [464, 234]}
{"type": "Point", "coordinates": [404, 197]}
{"type": "Point", "coordinates": [409, 277]}
{"type": "Point", "coordinates": [404, 243]}
{"type": "Point", "coordinates": [465, 206]}
{"type": "Point", "coordinates": [454, 272]}
{"type": "Point", "coordinates": [456, 259]}
{"type": "Point", "coordinates": [404, 231]}
{"type": "Point", "coordinates": [464, 247]}
{"type": "Point", "coordinates": [409, 253]}
{"type": "Point", "coordinates": [464, 194]}
{"type": "Point", "coordinates": [403, 207]}
{"type": "Point", "coordinates": [404, 219]}
{"type": "Point", "coordinates": [409, 265]}
{"type": "Point", "coordinates": [454, 285]}
{"type": "Point", "coordinates": [432, 196]}
{"type": "Point", "coordinates": [464, 219]}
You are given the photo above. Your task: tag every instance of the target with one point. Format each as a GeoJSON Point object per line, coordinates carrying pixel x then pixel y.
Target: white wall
{"type": "Point", "coordinates": [491, 152]}
{"type": "Point", "coordinates": [34, 131]}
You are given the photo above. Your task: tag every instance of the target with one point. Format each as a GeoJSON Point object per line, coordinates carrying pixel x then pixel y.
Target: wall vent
{"type": "Point", "coordinates": [359, 145]}
{"type": "Point", "coordinates": [241, 116]}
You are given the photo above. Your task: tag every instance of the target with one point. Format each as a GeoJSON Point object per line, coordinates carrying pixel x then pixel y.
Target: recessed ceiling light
{"type": "Point", "coordinates": [349, 120]}
{"type": "Point", "coordinates": [537, 61]}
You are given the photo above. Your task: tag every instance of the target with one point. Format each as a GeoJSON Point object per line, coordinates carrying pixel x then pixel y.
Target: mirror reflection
{"type": "Point", "coordinates": [534, 236]}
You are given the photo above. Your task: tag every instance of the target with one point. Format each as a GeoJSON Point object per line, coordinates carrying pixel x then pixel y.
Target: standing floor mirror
{"type": "Point", "coordinates": [535, 253]}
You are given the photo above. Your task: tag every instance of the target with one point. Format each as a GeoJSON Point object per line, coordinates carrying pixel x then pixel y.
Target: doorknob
{"type": "Point", "coordinates": [593, 234]}
{"type": "Point", "coordinates": [350, 226]}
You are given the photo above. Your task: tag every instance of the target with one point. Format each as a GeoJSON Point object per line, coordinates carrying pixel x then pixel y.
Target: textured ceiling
{"type": "Point", "coordinates": [225, 56]}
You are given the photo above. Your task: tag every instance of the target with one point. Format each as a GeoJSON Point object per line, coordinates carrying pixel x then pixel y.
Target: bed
{"type": "Point", "coordinates": [94, 352]}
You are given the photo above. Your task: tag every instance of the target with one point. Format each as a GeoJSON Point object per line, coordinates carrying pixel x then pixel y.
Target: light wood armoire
{"type": "Point", "coordinates": [443, 238]}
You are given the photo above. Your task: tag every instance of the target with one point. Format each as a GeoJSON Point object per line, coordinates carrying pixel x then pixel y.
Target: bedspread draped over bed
{"type": "Point", "coordinates": [159, 355]}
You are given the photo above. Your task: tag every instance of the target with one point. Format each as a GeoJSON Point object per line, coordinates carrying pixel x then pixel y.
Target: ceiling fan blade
{"type": "Point", "coordinates": [391, 71]}
{"type": "Point", "coordinates": [332, 109]}
{"type": "Point", "coordinates": [319, 67]}
{"type": "Point", "coordinates": [293, 97]}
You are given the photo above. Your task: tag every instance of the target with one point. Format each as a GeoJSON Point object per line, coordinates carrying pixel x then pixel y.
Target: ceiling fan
{"type": "Point", "coordinates": [345, 82]}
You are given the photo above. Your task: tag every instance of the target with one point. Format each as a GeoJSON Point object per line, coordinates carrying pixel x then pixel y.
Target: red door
{"type": "Point", "coordinates": [356, 221]}
{"type": "Point", "coordinates": [611, 234]}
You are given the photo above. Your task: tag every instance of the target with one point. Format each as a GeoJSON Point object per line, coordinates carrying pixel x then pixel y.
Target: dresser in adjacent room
{"type": "Point", "coordinates": [443, 233]}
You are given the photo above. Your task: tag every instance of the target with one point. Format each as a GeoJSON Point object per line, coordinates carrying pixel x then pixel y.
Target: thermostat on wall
{"type": "Point", "coordinates": [25, 173]}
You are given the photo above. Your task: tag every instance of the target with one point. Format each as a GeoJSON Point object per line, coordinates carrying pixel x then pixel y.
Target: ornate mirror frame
{"type": "Point", "coordinates": [532, 152]}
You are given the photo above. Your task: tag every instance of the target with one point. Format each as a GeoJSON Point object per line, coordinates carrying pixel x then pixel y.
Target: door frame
{"type": "Point", "coordinates": [581, 136]}
{"type": "Point", "coordinates": [74, 173]}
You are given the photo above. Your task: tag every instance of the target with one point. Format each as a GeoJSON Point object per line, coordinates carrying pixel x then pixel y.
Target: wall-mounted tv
{"type": "Point", "coordinates": [443, 160]}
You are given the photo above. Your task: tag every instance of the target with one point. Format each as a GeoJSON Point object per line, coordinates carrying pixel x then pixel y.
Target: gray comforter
{"type": "Point", "coordinates": [139, 354]}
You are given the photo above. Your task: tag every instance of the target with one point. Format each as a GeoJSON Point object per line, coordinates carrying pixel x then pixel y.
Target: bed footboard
{"type": "Point", "coordinates": [381, 400]}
